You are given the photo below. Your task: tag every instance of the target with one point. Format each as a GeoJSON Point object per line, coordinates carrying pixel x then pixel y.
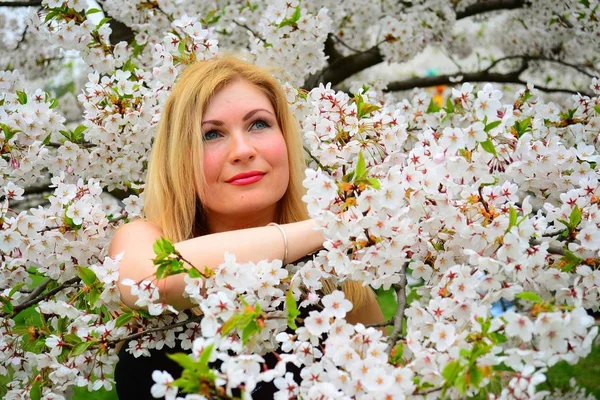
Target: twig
{"type": "Point", "coordinates": [256, 35]}
{"type": "Point", "coordinates": [38, 290]}
{"type": "Point", "coordinates": [559, 251]}
{"type": "Point", "coordinates": [540, 58]}
{"type": "Point", "coordinates": [479, 76]}
{"type": "Point", "coordinates": [314, 158]}
{"type": "Point", "coordinates": [43, 296]}
{"type": "Point", "coordinates": [380, 324]}
{"type": "Point", "coordinates": [482, 7]}
{"type": "Point", "coordinates": [20, 3]}
{"type": "Point", "coordinates": [429, 391]}
{"type": "Point", "coordinates": [159, 329]}
{"type": "Point", "coordinates": [340, 41]}
{"type": "Point", "coordinates": [398, 319]}
{"type": "Point", "coordinates": [53, 228]}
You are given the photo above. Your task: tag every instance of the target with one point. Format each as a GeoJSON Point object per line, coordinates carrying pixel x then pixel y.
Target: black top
{"type": "Point", "coordinates": [133, 376]}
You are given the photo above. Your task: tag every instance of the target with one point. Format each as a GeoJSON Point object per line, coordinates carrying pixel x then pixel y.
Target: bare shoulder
{"type": "Point", "coordinates": [134, 235]}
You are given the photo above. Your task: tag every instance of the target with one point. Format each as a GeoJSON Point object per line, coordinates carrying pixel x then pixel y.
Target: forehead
{"type": "Point", "coordinates": [237, 95]}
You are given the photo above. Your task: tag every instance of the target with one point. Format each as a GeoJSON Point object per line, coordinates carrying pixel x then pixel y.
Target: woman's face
{"type": "Point", "coordinates": [245, 157]}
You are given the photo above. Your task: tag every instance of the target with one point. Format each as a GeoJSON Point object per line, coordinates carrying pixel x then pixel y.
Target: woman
{"type": "Point", "coordinates": [227, 162]}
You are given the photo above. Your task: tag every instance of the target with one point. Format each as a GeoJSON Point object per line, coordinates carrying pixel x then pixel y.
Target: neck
{"type": "Point", "coordinates": [223, 223]}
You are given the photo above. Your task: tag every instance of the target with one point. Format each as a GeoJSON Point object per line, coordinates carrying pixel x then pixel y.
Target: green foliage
{"type": "Point", "coordinates": [292, 309]}
{"type": "Point", "coordinates": [87, 275]}
{"type": "Point", "coordinates": [432, 107]}
{"type": "Point", "coordinates": [387, 302]}
{"type": "Point", "coordinates": [489, 147]}
{"type": "Point", "coordinates": [569, 261]}
{"type": "Point", "coordinates": [364, 109]}
{"type": "Point", "coordinates": [529, 296]}
{"type": "Point", "coordinates": [249, 322]}
{"type": "Point", "coordinates": [8, 133]}
{"type": "Point", "coordinates": [491, 126]}
{"type": "Point", "coordinates": [292, 20]}
{"type": "Point", "coordinates": [21, 97]}
{"type": "Point", "coordinates": [522, 127]}
{"type": "Point", "coordinates": [572, 223]}
{"type": "Point", "coordinates": [75, 136]}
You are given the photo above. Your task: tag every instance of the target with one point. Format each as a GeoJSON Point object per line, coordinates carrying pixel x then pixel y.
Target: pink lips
{"type": "Point", "coordinates": [246, 178]}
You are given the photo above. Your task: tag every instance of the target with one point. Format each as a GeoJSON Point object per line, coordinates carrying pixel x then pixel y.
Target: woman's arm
{"type": "Point", "coordinates": [253, 244]}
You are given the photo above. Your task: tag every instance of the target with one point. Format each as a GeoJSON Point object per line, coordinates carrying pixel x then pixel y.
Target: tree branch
{"type": "Point", "coordinates": [576, 67]}
{"type": "Point", "coordinates": [479, 76]}
{"type": "Point", "coordinates": [345, 67]}
{"type": "Point", "coordinates": [20, 3]}
{"type": "Point", "coordinates": [159, 329]}
{"type": "Point", "coordinates": [34, 300]}
{"type": "Point", "coordinates": [381, 324]}
{"type": "Point", "coordinates": [483, 7]}
{"type": "Point", "coordinates": [398, 319]}
{"type": "Point", "coordinates": [341, 68]}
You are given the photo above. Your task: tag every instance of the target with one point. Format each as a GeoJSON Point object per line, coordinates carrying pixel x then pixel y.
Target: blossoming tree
{"type": "Point", "coordinates": [454, 205]}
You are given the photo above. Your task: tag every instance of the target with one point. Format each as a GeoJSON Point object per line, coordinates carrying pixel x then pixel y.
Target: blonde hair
{"type": "Point", "coordinates": [170, 201]}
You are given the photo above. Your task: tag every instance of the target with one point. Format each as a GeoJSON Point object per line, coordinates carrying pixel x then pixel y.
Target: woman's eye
{"type": "Point", "coordinates": [259, 124]}
{"type": "Point", "coordinates": [211, 135]}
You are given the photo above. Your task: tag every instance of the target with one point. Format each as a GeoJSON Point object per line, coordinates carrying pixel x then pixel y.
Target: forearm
{"type": "Point", "coordinates": [253, 244]}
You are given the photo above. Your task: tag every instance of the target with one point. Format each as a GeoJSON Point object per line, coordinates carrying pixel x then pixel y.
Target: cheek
{"type": "Point", "coordinates": [211, 166]}
{"type": "Point", "coordinates": [277, 154]}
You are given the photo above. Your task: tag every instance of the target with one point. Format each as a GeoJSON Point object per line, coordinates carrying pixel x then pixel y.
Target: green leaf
{"type": "Point", "coordinates": [36, 391]}
{"type": "Point", "coordinates": [433, 107]}
{"type": "Point", "coordinates": [449, 106]}
{"type": "Point", "coordinates": [102, 22]}
{"type": "Point", "coordinates": [7, 307]}
{"type": "Point", "coordinates": [46, 141]}
{"type": "Point", "coordinates": [16, 288]}
{"type": "Point", "coordinates": [367, 109]}
{"type": "Point", "coordinates": [296, 15]}
{"type": "Point", "coordinates": [93, 11]}
{"type": "Point", "coordinates": [575, 217]}
{"type": "Point", "coordinates": [78, 133]}
{"type": "Point", "coordinates": [292, 309]}
{"type": "Point", "coordinates": [123, 319]}
{"type": "Point", "coordinates": [597, 108]}
{"type": "Point", "coordinates": [451, 371]}
{"type": "Point", "coordinates": [249, 331]}
{"type": "Point", "coordinates": [361, 168]}
{"type": "Point", "coordinates": [374, 183]}
{"type": "Point", "coordinates": [162, 246]}
{"type": "Point", "coordinates": [461, 384]}
{"type": "Point", "coordinates": [194, 273]}
{"type": "Point", "coordinates": [21, 96]}
{"type": "Point", "coordinates": [184, 360]}
{"type": "Point", "coordinates": [87, 275]}
{"type": "Point", "coordinates": [498, 338]}
{"type": "Point", "coordinates": [9, 133]}
{"type": "Point", "coordinates": [66, 134]}
{"type": "Point", "coordinates": [80, 348]}
{"type": "Point", "coordinates": [529, 296]}
{"type": "Point", "coordinates": [93, 296]}
{"type": "Point", "coordinates": [491, 126]}
{"type": "Point", "coordinates": [570, 261]}
{"type": "Point", "coordinates": [489, 147]}
{"type": "Point", "coordinates": [512, 218]}
{"type": "Point", "coordinates": [230, 324]}
{"type": "Point", "coordinates": [205, 356]}
{"type": "Point", "coordinates": [181, 46]}
{"type": "Point", "coordinates": [476, 375]}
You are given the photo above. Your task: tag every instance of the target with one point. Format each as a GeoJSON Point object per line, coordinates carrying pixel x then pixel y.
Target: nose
{"type": "Point", "coordinates": [242, 148]}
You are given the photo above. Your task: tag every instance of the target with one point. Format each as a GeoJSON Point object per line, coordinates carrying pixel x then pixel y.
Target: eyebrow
{"type": "Point", "coordinates": [245, 118]}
